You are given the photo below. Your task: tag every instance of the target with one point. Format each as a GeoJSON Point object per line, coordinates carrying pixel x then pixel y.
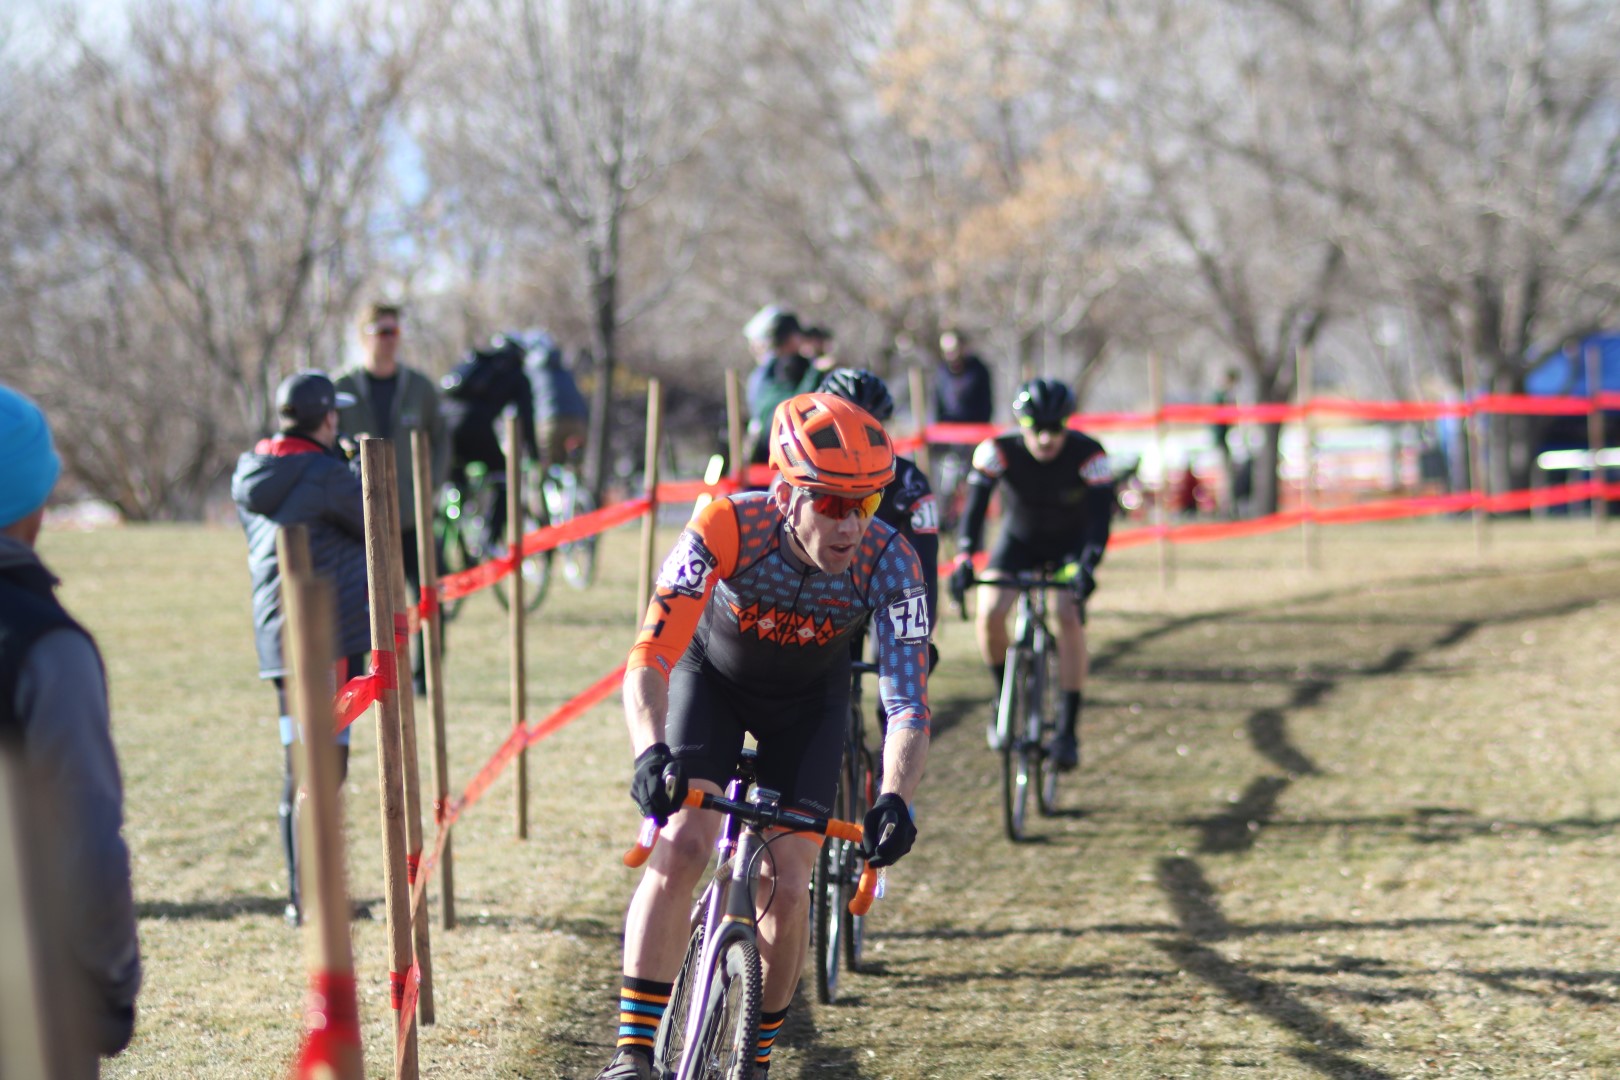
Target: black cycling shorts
{"type": "Point", "coordinates": [800, 738]}
{"type": "Point", "coordinates": [1011, 555]}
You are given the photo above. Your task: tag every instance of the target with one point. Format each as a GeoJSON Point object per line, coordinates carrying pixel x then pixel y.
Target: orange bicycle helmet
{"type": "Point", "coordinates": [823, 443]}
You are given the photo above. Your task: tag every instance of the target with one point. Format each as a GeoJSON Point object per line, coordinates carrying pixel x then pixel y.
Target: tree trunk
{"type": "Point", "coordinates": [604, 303]}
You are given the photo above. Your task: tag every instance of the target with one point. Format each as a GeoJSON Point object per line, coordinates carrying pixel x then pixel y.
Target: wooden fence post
{"type": "Point", "coordinates": [310, 616]}
{"type": "Point", "coordinates": [734, 429]}
{"type": "Point", "coordinates": [410, 764]}
{"type": "Point", "coordinates": [1594, 435]}
{"type": "Point", "coordinates": [1161, 505]}
{"type": "Point", "coordinates": [1305, 383]}
{"type": "Point", "coordinates": [649, 524]}
{"type": "Point", "coordinates": [919, 418]}
{"type": "Point", "coordinates": [433, 661]}
{"type": "Point", "coordinates": [23, 1047]}
{"type": "Point", "coordinates": [375, 457]}
{"type": "Point", "coordinates": [515, 614]}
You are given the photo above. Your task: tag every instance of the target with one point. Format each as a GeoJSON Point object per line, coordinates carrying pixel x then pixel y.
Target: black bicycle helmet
{"type": "Point", "coordinates": [861, 387]}
{"type": "Point", "coordinates": [1043, 403]}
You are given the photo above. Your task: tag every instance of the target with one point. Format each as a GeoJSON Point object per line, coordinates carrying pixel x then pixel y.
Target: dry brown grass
{"type": "Point", "coordinates": [1359, 823]}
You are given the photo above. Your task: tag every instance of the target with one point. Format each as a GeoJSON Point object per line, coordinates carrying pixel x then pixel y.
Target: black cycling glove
{"type": "Point", "coordinates": [888, 832]}
{"type": "Point", "coordinates": [659, 785]}
{"type": "Point", "coordinates": [961, 578]}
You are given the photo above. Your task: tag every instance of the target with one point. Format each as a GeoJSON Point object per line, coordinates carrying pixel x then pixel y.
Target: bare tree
{"type": "Point", "coordinates": [221, 221]}
{"type": "Point", "coordinates": [559, 120]}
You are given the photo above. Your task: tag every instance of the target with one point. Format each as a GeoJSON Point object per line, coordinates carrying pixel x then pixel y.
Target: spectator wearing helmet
{"type": "Point", "coordinates": [475, 393]}
{"type": "Point", "coordinates": [780, 367]}
{"type": "Point", "coordinates": [908, 502]}
{"type": "Point", "coordinates": [748, 632]}
{"type": "Point", "coordinates": [1057, 498]}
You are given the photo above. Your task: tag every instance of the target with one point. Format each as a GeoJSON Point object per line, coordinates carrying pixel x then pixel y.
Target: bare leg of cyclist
{"type": "Point", "coordinates": [784, 897]}
{"type": "Point", "coordinates": [993, 605]}
{"type": "Point", "coordinates": [1074, 663]}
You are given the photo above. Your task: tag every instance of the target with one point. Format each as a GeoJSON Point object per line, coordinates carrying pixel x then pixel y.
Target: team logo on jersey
{"type": "Point", "coordinates": [925, 516]}
{"type": "Point", "coordinates": [1096, 470]}
{"type": "Point", "coordinates": [784, 627]}
{"type": "Point", "coordinates": [909, 617]}
{"type": "Point", "coordinates": [688, 567]}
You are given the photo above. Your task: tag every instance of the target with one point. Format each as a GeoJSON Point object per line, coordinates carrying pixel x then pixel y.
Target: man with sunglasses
{"type": "Point", "coordinates": [390, 401]}
{"type": "Point", "coordinates": [748, 632]}
{"type": "Point", "coordinates": [1057, 498]}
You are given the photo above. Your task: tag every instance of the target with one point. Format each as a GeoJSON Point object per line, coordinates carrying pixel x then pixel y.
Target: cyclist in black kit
{"type": "Point", "coordinates": [1057, 497]}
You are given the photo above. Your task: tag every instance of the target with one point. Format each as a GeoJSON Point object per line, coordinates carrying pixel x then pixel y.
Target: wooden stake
{"type": "Point", "coordinates": [1478, 482]}
{"type": "Point", "coordinates": [410, 763]}
{"type": "Point", "coordinates": [23, 1051]}
{"type": "Point", "coordinates": [1305, 390]}
{"type": "Point", "coordinates": [1161, 505]}
{"type": "Point", "coordinates": [1594, 435]}
{"type": "Point", "coordinates": [310, 616]}
{"type": "Point", "coordinates": [376, 457]}
{"type": "Point", "coordinates": [919, 418]}
{"type": "Point", "coordinates": [433, 663]}
{"type": "Point", "coordinates": [734, 429]}
{"type": "Point", "coordinates": [514, 547]}
{"type": "Point", "coordinates": [649, 524]}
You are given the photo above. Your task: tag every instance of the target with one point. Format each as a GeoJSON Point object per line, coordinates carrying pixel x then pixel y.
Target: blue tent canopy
{"type": "Point", "coordinates": [1564, 372]}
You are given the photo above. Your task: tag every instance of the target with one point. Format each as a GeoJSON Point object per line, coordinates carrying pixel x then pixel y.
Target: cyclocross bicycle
{"type": "Point", "coordinates": [462, 530]}
{"type": "Point", "coordinates": [836, 932]}
{"type": "Point", "coordinates": [562, 497]}
{"type": "Point", "coordinates": [711, 1027]}
{"type": "Point", "coordinates": [1027, 714]}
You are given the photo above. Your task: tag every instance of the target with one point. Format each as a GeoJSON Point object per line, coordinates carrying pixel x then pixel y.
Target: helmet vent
{"type": "Point", "coordinates": [875, 436]}
{"type": "Point", "coordinates": [825, 439]}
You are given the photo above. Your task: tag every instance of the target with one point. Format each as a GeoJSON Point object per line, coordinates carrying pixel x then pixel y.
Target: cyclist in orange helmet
{"type": "Point", "coordinates": [748, 632]}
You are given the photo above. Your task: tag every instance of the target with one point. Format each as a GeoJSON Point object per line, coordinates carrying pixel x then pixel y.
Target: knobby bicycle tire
{"type": "Point", "coordinates": [536, 571]}
{"type": "Point", "coordinates": [827, 897]}
{"type": "Point", "coordinates": [728, 1031]}
{"type": "Point", "coordinates": [670, 1038]}
{"type": "Point", "coordinates": [1046, 791]}
{"type": "Point", "coordinates": [1015, 757]}
{"type": "Point", "coordinates": [854, 932]}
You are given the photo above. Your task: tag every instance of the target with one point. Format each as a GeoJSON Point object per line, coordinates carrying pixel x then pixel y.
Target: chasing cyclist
{"type": "Point", "coordinates": [1057, 499]}
{"type": "Point", "coordinates": [476, 392]}
{"type": "Point", "coordinates": [748, 632]}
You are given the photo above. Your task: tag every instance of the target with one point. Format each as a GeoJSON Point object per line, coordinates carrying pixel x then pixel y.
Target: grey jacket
{"type": "Point", "coordinates": [415, 408]}
{"type": "Point", "coordinates": [289, 480]}
{"type": "Point", "coordinates": [71, 779]}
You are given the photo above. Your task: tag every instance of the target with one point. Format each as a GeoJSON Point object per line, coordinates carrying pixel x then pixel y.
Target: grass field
{"type": "Point", "coordinates": [1357, 823]}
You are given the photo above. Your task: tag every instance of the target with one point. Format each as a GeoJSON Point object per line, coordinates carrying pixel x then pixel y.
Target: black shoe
{"type": "Point", "coordinates": [362, 912]}
{"type": "Point", "coordinates": [1064, 752]}
{"type": "Point", "coordinates": [627, 1065]}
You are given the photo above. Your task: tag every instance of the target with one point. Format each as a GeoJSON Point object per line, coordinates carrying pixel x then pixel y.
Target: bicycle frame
{"type": "Point", "coordinates": [726, 904]}
{"type": "Point", "coordinates": [1024, 715]}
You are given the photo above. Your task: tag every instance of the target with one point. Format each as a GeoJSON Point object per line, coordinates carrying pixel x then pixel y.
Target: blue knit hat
{"type": "Point", "coordinates": [28, 461]}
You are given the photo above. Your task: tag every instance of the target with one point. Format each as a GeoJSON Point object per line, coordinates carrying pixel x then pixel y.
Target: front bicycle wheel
{"type": "Point", "coordinates": [864, 785]}
{"type": "Point", "coordinates": [1015, 757]}
{"type": "Point", "coordinates": [728, 1029]}
{"type": "Point", "coordinates": [1044, 725]}
{"type": "Point", "coordinates": [669, 1041]}
{"type": "Point", "coordinates": [455, 560]}
{"type": "Point", "coordinates": [827, 899]}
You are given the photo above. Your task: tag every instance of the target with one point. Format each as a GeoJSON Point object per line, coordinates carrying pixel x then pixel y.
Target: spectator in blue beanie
{"type": "Point", "coordinates": [56, 744]}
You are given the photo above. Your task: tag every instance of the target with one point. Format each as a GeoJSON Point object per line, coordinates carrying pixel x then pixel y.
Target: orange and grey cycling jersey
{"type": "Point", "coordinates": [735, 594]}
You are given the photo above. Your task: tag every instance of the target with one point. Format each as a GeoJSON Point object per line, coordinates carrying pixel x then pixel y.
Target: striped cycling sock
{"type": "Point", "coordinates": [770, 1023]}
{"type": "Point", "coordinates": [641, 1006]}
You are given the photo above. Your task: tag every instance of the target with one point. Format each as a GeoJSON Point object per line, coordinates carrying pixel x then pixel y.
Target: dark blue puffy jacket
{"type": "Point", "coordinates": [290, 480]}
